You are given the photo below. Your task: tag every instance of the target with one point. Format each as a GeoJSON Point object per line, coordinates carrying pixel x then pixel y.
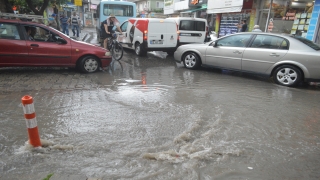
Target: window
{"type": "Point", "coordinates": [159, 4]}
{"type": "Point", "coordinates": [200, 25]}
{"type": "Point", "coordinates": [235, 41]}
{"type": "Point", "coordinates": [192, 25]}
{"type": "Point", "coordinates": [124, 27]}
{"type": "Point", "coordinates": [40, 34]}
{"type": "Point", "coordinates": [269, 42]}
{"type": "Point", "coordinates": [9, 31]}
{"type": "Point", "coordinates": [118, 10]}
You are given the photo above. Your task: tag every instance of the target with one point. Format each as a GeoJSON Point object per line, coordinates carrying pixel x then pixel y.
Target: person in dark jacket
{"type": "Point", "coordinates": [244, 26]}
{"type": "Point", "coordinates": [65, 21]}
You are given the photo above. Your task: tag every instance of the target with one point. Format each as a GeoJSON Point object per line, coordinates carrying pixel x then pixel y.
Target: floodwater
{"type": "Point", "coordinates": [150, 118]}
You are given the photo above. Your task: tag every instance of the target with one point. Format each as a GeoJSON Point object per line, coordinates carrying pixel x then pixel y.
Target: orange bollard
{"type": "Point", "coordinates": [30, 115]}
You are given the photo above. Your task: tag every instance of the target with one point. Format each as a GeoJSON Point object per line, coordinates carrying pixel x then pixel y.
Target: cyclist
{"type": "Point", "coordinates": [108, 25]}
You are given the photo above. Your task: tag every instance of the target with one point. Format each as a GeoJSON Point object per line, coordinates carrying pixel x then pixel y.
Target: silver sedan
{"type": "Point", "coordinates": [289, 60]}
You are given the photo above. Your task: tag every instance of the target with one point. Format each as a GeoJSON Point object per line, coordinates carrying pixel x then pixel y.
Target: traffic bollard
{"type": "Point", "coordinates": [31, 121]}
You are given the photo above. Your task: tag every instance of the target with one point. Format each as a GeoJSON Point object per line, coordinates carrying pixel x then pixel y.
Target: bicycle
{"type": "Point", "coordinates": [115, 47]}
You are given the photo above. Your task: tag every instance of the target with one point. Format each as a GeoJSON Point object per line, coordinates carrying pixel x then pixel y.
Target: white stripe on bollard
{"type": "Point", "coordinates": [31, 123]}
{"type": "Point", "coordinates": [28, 108]}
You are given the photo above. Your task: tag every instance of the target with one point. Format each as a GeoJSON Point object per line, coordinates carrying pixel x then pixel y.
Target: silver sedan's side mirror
{"type": "Point", "coordinates": [215, 44]}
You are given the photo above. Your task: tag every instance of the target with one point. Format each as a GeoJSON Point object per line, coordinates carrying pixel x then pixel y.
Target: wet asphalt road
{"type": "Point", "coordinates": [150, 118]}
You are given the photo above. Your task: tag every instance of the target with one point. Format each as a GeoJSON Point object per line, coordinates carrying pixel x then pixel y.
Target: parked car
{"type": "Point", "coordinates": [288, 59]}
{"type": "Point", "coordinates": [47, 47]}
{"type": "Point", "coordinates": [149, 34]}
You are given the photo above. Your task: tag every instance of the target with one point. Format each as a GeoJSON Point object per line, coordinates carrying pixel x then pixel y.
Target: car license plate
{"type": "Point", "coordinates": [156, 41]}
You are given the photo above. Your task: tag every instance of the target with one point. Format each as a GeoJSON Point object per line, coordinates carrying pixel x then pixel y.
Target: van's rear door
{"type": "Point", "coordinates": [162, 33]}
{"type": "Point", "coordinates": [192, 31]}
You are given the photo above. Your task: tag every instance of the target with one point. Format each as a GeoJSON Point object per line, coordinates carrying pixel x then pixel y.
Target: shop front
{"type": "Point", "coordinates": [228, 15]}
{"type": "Point", "coordinates": [298, 17]}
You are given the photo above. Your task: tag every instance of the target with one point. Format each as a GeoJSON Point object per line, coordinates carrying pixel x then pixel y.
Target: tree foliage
{"type": "Point", "coordinates": [35, 6]}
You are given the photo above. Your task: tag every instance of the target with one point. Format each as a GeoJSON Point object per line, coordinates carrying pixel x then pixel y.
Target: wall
{"type": "Point", "coordinates": [314, 22]}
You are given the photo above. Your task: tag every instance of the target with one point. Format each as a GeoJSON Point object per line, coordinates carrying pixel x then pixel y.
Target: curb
{"type": "Point", "coordinates": [84, 37]}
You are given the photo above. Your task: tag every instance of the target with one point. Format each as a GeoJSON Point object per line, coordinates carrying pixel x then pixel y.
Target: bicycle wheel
{"type": "Point", "coordinates": [117, 51]}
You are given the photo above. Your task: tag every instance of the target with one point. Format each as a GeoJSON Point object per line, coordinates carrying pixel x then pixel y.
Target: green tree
{"type": "Point", "coordinates": [35, 6]}
{"type": "Point", "coordinates": [7, 6]}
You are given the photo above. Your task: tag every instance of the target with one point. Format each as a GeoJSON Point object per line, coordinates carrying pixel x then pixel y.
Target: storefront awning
{"type": "Point", "coordinates": [222, 6]}
{"type": "Point", "coordinates": [194, 10]}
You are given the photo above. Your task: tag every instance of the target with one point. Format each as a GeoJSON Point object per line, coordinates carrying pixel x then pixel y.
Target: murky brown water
{"type": "Point", "coordinates": [150, 118]}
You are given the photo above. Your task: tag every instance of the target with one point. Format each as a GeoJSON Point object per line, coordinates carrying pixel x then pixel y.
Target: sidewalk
{"type": "Point", "coordinates": [85, 31]}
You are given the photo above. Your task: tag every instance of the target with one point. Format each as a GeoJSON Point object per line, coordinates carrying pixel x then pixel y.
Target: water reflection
{"type": "Point", "coordinates": [115, 68]}
{"type": "Point", "coordinates": [150, 118]}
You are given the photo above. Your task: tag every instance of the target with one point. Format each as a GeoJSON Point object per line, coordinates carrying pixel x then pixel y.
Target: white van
{"type": "Point", "coordinates": [149, 34]}
{"type": "Point", "coordinates": [192, 30]}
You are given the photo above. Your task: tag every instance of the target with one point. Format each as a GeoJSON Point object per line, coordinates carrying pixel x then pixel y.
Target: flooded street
{"type": "Point", "coordinates": [150, 118]}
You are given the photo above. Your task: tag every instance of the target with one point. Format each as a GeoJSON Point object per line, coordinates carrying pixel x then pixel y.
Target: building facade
{"type": "Point", "coordinates": [298, 17]}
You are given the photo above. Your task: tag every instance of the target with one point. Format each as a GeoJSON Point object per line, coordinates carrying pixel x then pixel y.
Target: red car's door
{"type": "Point", "coordinates": [46, 50]}
{"type": "Point", "coordinates": [13, 50]}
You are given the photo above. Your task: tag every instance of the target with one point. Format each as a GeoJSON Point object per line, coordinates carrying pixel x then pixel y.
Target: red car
{"type": "Point", "coordinates": [25, 43]}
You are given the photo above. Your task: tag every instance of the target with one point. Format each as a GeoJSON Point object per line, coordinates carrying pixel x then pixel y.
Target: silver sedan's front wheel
{"type": "Point", "coordinates": [191, 60]}
{"type": "Point", "coordinates": [89, 64]}
{"type": "Point", "coordinates": [287, 75]}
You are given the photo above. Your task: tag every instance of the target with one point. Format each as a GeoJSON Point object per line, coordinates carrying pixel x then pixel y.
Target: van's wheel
{"type": "Point", "coordinates": [89, 64]}
{"type": "Point", "coordinates": [287, 75]}
{"type": "Point", "coordinates": [139, 50]}
{"type": "Point", "coordinates": [191, 60]}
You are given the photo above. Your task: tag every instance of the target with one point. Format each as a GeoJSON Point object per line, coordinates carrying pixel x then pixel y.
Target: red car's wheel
{"type": "Point", "coordinates": [89, 64]}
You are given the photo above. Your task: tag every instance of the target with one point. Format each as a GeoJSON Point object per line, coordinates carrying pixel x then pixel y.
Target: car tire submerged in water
{"type": "Point", "coordinates": [139, 50]}
{"type": "Point", "coordinates": [89, 64]}
{"type": "Point", "coordinates": [287, 75]}
{"type": "Point", "coordinates": [191, 60]}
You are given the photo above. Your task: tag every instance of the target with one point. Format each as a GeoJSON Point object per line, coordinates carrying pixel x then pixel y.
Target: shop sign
{"type": "Point", "coordinates": [197, 2]}
{"type": "Point", "coordinates": [78, 2]}
{"type": "Point", "coordinates": [224, 6]}
{"type": "Point", "coordinates": [194, 2]}
{"type": "Point", "coordinates": [93, 6]}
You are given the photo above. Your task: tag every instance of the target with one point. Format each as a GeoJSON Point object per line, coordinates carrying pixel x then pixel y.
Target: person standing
{"type": "Point", "coordinates": [256, 28]}
{"type": "Point", "coordinates": [244, 26]}
{"type": "Point", "coordinates": [239, 25]}
{"type": "Point", "coordinates": [65, 21]}
{"type": "Point", "coordinates": [53, 22]}
{"type": "Point", "coordinates": [75, 22]}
